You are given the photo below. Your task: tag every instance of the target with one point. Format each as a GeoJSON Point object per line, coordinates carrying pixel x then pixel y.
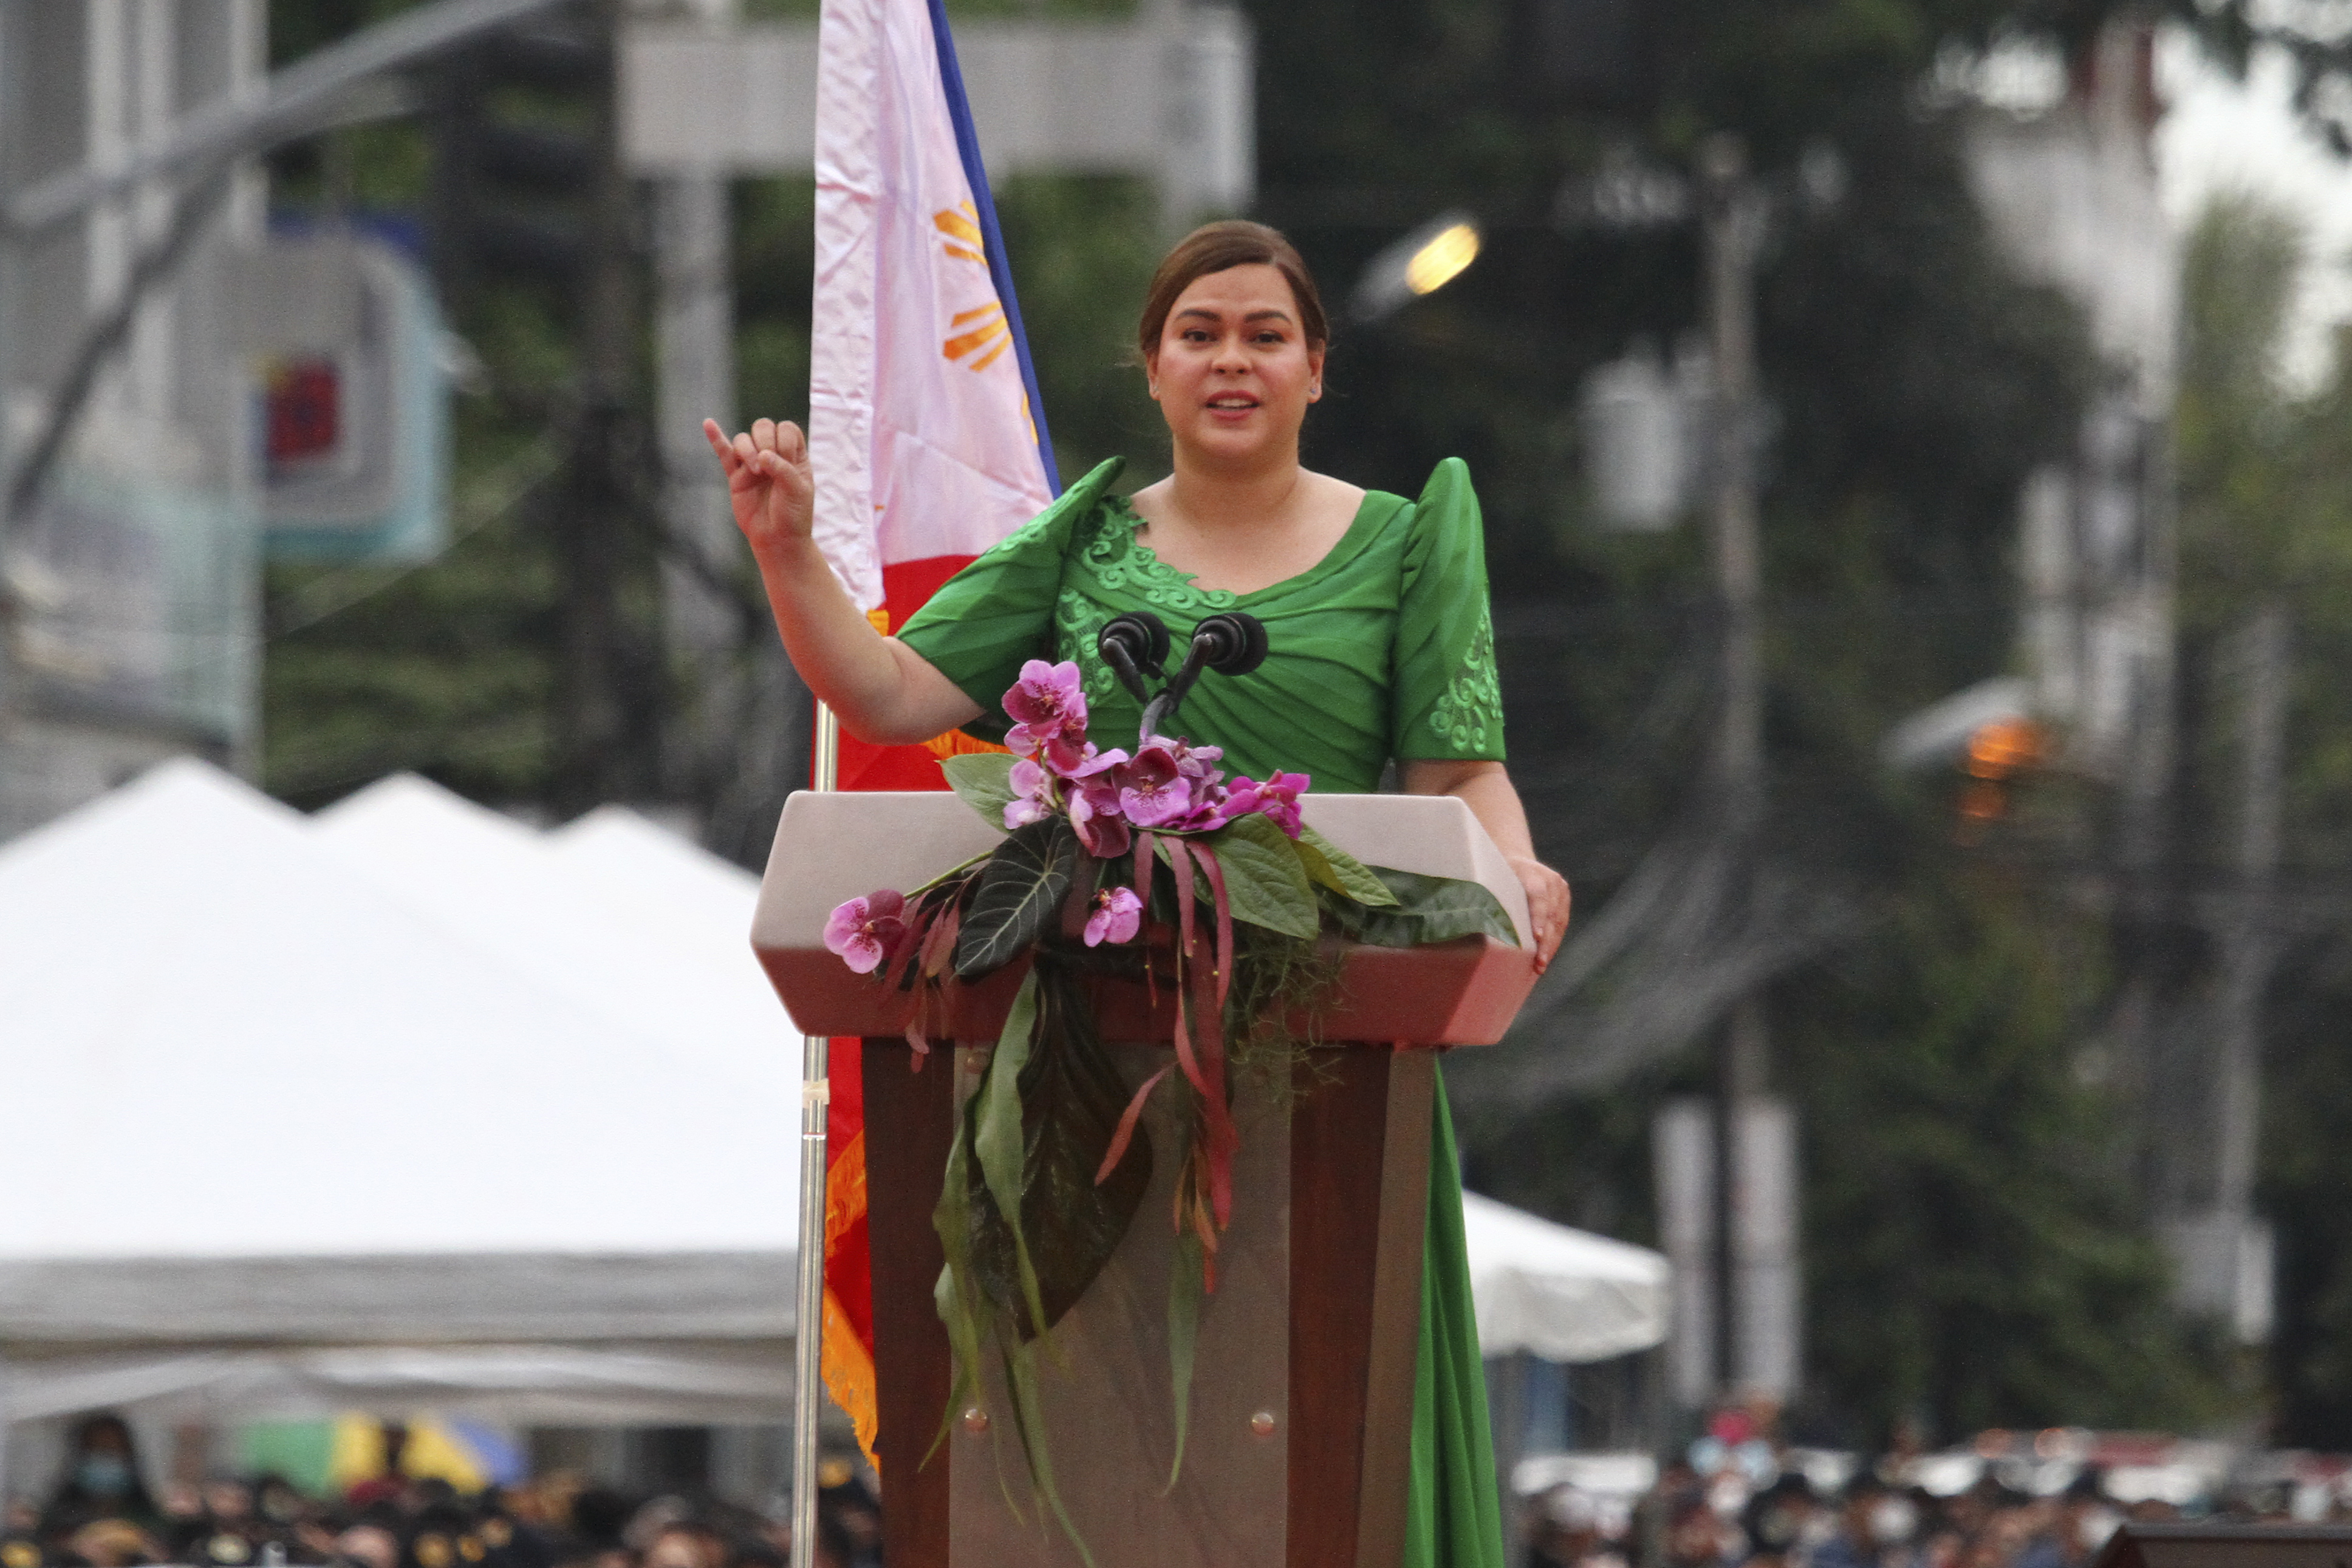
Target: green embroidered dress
{"type": "Point", "coordinates": [1384, 648]}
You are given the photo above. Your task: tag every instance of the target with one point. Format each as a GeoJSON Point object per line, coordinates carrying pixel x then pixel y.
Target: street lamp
{"type": "Point", "coordinates": [1422, 262]}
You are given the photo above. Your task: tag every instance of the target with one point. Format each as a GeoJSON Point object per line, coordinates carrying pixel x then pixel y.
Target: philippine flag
{"type": "Point", "coordinates": [929, 442]}
{"type": "Point", "coordinates": [925, 428]}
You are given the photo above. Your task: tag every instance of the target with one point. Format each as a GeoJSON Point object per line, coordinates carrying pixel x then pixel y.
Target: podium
{"type": "Point", "coordinates": [1301, 1409]}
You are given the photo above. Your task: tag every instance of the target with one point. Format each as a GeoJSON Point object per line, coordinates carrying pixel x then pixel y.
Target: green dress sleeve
{"type": "Point", "coordinates": [997, 613]}
{"type": "Point", "coordinates": [1448, 704]}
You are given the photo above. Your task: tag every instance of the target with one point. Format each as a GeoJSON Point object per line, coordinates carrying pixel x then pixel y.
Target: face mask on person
{"type": "Point", "coordinates": [104, 1475]}
{"type": "Point", "coordinates": [2096, 1526]}
{"type": "Point", "coordinates": [1892, 1520]}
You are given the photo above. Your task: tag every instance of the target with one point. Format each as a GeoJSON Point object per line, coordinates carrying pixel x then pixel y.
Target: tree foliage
{"type": "Point", "coordinates": [2264, 519]}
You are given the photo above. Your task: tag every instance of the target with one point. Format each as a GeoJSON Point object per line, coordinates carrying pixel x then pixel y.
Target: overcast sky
{"type": "Point", "coordinates": [2222, 134]}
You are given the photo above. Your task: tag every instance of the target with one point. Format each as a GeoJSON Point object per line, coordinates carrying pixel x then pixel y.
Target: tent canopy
{"type": "Point", "coordinates": [407, 1105]}
{"type": "Point", "coordinates": [1544, 1290]}
{"type": "Point", "coordinates": [266, 1099]}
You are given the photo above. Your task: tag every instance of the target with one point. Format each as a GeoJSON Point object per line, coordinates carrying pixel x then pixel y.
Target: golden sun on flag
{"type": "Point", "coordinates": [984, 333]}
{"type": "Point", "coordinates": [960, 224]}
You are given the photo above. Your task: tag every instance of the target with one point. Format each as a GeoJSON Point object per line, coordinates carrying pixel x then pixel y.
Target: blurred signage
{"type": "Point", "coordinates": [1645, 433]}
{"type": "Point", "coordinates": [343, 339]}
{"type": "Point", "coordinates": [302, 419]}
{"type": "Point", "coordinates": [132, 589]}
{"type": "Point", "coordinates": [1169, 96]}
{"type": "Point", "coordinates": [1766, 1282]}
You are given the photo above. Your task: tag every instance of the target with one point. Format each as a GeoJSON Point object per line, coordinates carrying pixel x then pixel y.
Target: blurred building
{"type": "Point", "coordinates": [2067, 172]}
{"type": "Point", "coordinates": [129, 590]}
{"type": "Point", "coordinates": [2070, 189]}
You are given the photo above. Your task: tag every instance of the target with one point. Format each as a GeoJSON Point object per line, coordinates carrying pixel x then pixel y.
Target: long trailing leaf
{"type": "Point", "coordinates": [1221, 1138]}
{"type": "Point", "coordinates": [1214, 875]}
{"type": "Point", "coordinates": [1020, 1377]}
{"type": "Point", "coordinates": [997, 1145]}
{"type": "Point", "coordinates": [1021, 892]}
{"type": "Point", "coordinates": [1428, 909]}
{"type": "Point", "coordinates": [1264, 880]}
{"type": "Point", "coordinates": [1340, 872]}
{"type": "Point", "coordinates": [1076, 1199]}
{"type": "Point", "coordinates": [957, 1295]}
{"type": "Point", "coordinates": [1143, 860]}
{"type": "Point", "coordinates": [984, 782]}
{"type": "Point", "coordinates": [1187, 1057]}
{"type": "Point", "coordinates": [1183, 1339]}
{"type": "Point", "coordinates": [1127, 1121]}
{"type": "Point", "coordinates": [1200, 1018]}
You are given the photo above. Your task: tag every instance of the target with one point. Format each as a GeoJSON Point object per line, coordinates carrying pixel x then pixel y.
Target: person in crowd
{"type": "Point", "coordinates": [1775, 1520]}
{"type": "Point", "coordinates": [367, 1546]}
{"type": "Point", "coordinates": [1861, 1523]}
{"type": "Point", "coordinates": [685, 1544]}
{"type": "Point", "coordinates": [101, 1479]}
{"type": "Point", "coordinates": [1564, 1530]}
{"type": "Point", "coordinates": [1696, 1536]}
{"type": "Point", "coordinates": [2077, 1527]}
{"type": "Point", "coordinates": [391, 1484]}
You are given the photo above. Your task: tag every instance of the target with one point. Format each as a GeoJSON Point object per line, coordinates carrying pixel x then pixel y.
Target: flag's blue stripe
{"type": "Point", "coordinates": [992, 240]}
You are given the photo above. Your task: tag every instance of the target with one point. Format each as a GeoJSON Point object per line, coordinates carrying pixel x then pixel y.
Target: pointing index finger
{"type": "Point", "coordinates": [720, 445]}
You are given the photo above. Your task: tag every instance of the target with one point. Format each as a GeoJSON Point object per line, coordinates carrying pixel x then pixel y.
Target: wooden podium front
{"type": "Point", "coordinates": [1301, 1408]}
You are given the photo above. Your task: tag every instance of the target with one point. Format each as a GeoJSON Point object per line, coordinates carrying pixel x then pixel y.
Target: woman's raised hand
{"type": "Point", "coordinates": [768, 481]}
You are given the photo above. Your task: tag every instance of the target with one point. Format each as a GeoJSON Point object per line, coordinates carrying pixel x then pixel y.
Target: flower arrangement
{"type": "Point", "coordinates": [1051, 1160]}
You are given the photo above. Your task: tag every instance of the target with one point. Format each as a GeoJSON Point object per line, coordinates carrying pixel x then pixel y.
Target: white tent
{"type": "Point", "coordinates": [1543, 1290]}
{"type": "Point", "coordinates": [407, 1105]}
{"type": "Point", "coordinates": [283, 1140]}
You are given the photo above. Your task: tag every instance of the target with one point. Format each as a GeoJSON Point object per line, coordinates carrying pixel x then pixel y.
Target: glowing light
{"type": "Point", "coordinates": [2000, 749]}
{"type": "Point", "coordinates": [1441, 260]}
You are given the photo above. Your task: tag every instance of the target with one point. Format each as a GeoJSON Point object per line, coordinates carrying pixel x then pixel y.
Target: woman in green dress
{"type": "Point", "coordinates": [1382, 650]}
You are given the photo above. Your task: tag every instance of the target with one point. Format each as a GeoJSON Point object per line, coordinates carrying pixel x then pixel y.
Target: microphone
{"type": "Point", "coordinates": [1231, 643]}
{"type": "Point", "coordinates": [1133, 645]}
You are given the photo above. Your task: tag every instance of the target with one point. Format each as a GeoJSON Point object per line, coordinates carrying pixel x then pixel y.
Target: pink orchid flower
{"type": "Point", "coordinates": [1032, 795]}
{"type": "Point", "coordinates": [1073, 757]}
{"type": "Point", "coordinates": [1046, 700]}
{"type": "Point", "coordinates": [1095, 813]}
{"type": "Point", "coordinates": [1278, 797]}
{"type": "Point", "coordinates": [1118, 916]}
{"type": "Point", "coordinates": [863, 932]}
{"type": "Point", "coordinates": [1150, 790]}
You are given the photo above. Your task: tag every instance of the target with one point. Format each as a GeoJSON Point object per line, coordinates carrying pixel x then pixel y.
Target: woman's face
{"type": "Point", "coordinates": [1233, 373]}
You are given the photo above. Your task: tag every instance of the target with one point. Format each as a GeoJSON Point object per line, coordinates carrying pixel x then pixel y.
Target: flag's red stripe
{"type": "Point", "coordinates": [848, 1264]}
{"type": "Point", "coordinates": [905, 587]}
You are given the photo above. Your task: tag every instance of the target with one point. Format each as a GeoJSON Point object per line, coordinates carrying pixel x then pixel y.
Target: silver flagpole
{"type": "Point", "coordinates": [808, 1323]}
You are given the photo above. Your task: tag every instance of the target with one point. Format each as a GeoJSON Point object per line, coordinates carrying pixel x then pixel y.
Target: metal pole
{"type": "Point", "coordinates": [1732, 219]}
{"type": "Point", "coordinates": [808, 1323]}
{"type": "Point", "coordinates": [2249, 951]}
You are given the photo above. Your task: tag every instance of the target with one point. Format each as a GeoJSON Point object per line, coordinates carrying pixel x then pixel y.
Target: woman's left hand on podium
{"type": "Point", "coordinates": [1548, 906]}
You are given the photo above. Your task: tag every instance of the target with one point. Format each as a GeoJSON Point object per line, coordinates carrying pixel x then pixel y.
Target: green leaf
{"type": "Point", "coordinates": [997, 1145]}
{"type": "Point", "coordinates": [1021, 892]}
{"type": "Point", "coordinates": [1266, 882]}
{"type": "Point", "coordinates": [984, 781]}
{"type": "Point", "coordinates": [1020, 1377]}
{"type": "Point", "coordinates": [1184, 1336]}
{"type": "Point", "coordinates": [1340, 872]}
{"type": "Point", "coordinates": [1070, 1101]}
{"type": "Point", "coordinates": [1428, 909]}
{"type": "Point", "coordinates": [957, 1295]}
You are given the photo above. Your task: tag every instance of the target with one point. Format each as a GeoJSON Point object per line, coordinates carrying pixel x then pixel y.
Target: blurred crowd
{"type": "Point", "coordinates": [1869, 1523]}
{"type": "Point", "coordinates": [1724, 1514]}
{"type": "Point", "coordinates": [1736, 1500]}
{"type": "Point", "coordinates": [101, 1513]}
